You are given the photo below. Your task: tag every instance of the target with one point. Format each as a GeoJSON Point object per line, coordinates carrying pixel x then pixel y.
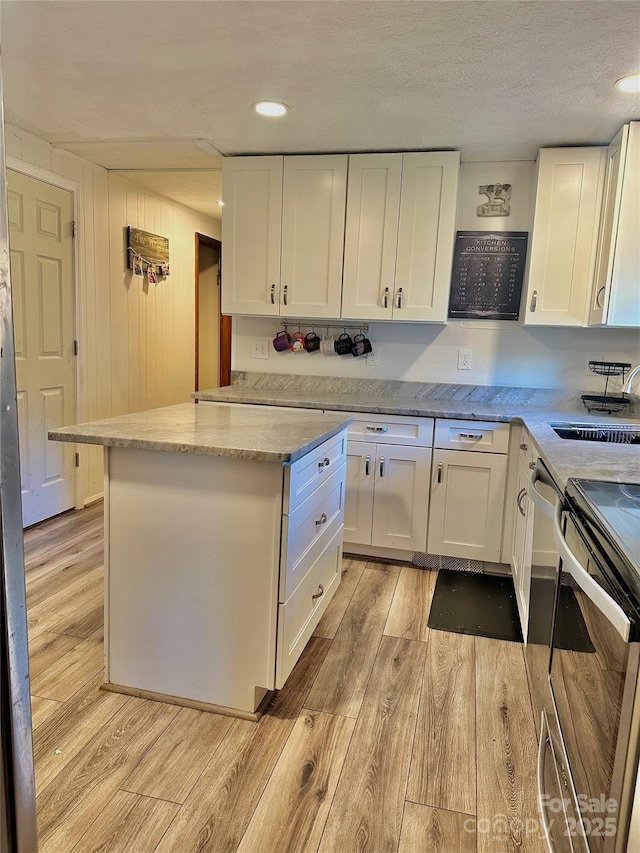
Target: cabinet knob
{"type": "Point", "coordinates": [319, 593]}
{"type": "Point", "coordinates": [533, 465]}
{"type": "Point", "coordinates": [321, 520]}
{"type": "Point", "coordinates": [524, 447]}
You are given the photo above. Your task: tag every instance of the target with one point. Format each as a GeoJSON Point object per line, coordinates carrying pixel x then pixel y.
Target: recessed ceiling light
{"type": "Point", "coordinates": [270, 108]}
{"type": "Point", "coordinates": [630, 83]}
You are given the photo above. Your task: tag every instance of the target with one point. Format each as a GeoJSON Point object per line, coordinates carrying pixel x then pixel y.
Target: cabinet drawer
{"type": "Point", "coordinates": [480, 436]}
{"type": "Point", "coordinates": [298, 617]}
{"type": "Point", "coordinates": [391, 429]}
{"type": "Point", "coordinates": [306, 474]}
{"type": "Point", "coordinates": [306, 530]}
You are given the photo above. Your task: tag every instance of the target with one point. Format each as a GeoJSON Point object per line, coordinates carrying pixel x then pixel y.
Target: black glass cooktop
{"type": "Point", "coordinates": [611, 512]}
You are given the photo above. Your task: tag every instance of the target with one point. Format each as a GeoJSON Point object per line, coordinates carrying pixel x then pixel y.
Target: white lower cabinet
{"type": "Point", "coordinates": [467, 489]}
{"type": "Point", "coordinates": [521, 550]}
{"type": "Point", "coordinates": [387, 484]}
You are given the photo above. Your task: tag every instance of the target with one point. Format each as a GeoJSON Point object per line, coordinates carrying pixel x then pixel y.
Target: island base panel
{"type": "Point", "coordinates": [192, 575]}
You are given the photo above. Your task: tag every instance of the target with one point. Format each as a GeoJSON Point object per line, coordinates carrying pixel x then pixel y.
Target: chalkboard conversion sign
{"type": "Point", "coordinates": [488, 271]}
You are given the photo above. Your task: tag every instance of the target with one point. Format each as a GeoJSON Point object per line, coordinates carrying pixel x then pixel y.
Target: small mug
{"type": "Point", "coordinates": [297, 342]}
{"type": "Point", "coordinates": [361, 345]}
{"type": "Point", "coordinates": [282, 341]}
{"type": "Point", "coordinates": [343, 345]}
{"type": "Point", "coordinates": [312, 342]}
{"type": "Point", "coordinates": [327, 344]}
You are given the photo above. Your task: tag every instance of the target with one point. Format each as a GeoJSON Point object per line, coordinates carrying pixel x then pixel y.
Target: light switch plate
{"type": "Point", "coordinates": [260, 347]}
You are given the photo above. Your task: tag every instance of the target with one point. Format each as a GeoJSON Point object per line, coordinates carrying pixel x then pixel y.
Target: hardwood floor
{"type": "Point", "coordinates": [388, 736]}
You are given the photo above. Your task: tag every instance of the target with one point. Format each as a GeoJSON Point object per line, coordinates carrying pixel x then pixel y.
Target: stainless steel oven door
{"type": "Point", "coordinates": [592, 683]}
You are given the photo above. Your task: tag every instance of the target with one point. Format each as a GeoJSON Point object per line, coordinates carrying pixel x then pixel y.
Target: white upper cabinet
{"type": "Point", "coordinates": [399, 236]}
{"type": "Point", "coordinates": [371, 236]}
{"type": "Point", "coordinates": [615, 299]}
{"type": "Point", "coordinates": [565, 231]}
{"type": "Point", "coordinates": [252, 189]}
{"type": "Point", "coordinates": [426, 235]}
{"type": "Point", "coordinates": [313, 214]}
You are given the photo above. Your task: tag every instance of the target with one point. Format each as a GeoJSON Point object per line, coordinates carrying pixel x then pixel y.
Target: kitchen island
{"type": "Point", "coordinates": [223, 547]}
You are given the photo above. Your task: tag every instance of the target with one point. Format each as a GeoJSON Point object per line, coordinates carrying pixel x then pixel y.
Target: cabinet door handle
{"type": "Point", "coordinates": [319, 593]}
{"type": "Point", "coordinates": [382, 466]}
{"type": "Point", "coordinates": [534, 301]}
{"type": "Point", "coordinates": [367, 465]}
{"type": "Point", "coordinates": [399, 297]}
{"type": "Point", "coordinates": [385, 298]}
{"type": "Point", "coordinates": [377, 428]}
{"type": "Point", "coordinates": [323, 463]}
{"type": "Point", "coordinates": [533, 466]}
{"type": "Point", "coordinates": [524, 447]}
{"type": "Point", "coordinates": [273, 294]}
{"type": "Point", "coordinates": [284, 293]}
{"type": "Point", "coordinates": [598, 294]}
{"type": "Point", "coordinates": [471, 435]}
{"type": "Point", "coordinates": [321, 520]}
{"type": "Point", "coordinates": [439, 477]}
{"type": "Point", "coordinates": [521, 495]}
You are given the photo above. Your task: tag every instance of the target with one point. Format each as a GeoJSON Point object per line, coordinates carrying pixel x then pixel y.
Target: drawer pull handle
{"type": "Point", "coordinates": [367, 465]}
{"type": "Point", "coordinates": [382, 466]}
{"type": "Point", "coordinates": [524, 447]}
{"type": "Point", "coordinates": [385, 299]}
{"type": "Point", "coordinates": [319, 593]}
{"type": "Point", "coordinates": [323, 463]}
{"type": "Point", "coordinates": [273, 294]}
{"type": "Point", "coordinates": [377, 428]}
{"type": "Point", "coordinates": [321, 520]}
{"type": "Point", "coordinates": [400, 297]}
{"type": "Point", "coordinates": [284, 293]}
{"type": "Point", "coordinates": [521, 495]}
{"type": "Point", "coordinates": [534, 301]}
{"type": "Point", "coordinates": [598, 295]}
{"type": "Point", "coordinates": [472, 435]}
{"type": "Point", "coordinates": [439, 472]}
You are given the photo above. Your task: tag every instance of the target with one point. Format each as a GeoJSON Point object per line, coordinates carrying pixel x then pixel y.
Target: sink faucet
{"type": "Point", "coordinates": [630, 378]}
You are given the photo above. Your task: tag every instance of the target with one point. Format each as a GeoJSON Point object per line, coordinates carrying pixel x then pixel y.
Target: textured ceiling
{"type": "Point", "coordinates": [494, 79]}
{"type": "Point", "coordinates": [198, 190]}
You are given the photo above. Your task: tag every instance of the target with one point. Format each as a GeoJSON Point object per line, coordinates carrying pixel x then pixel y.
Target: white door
{"type": "Point", "coordinates": [401, 497]}
{"type": "Point", "coordinates": [371, 236]}
{"type": "Point", "coordinates": [41, 249]}
{"type": "Point", "coordinates": [251, 217]}
{"type": "Point", "coordinates": [313, 212]}
{"type": "Point", "coordinates": [358, 504]}
{"type": "Point", "coordinates": [467, 504]}
{"type": "Point", "coordinates": [426, 235]}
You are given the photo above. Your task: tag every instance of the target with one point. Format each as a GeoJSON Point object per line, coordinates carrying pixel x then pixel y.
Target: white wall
{"type": "Point", "coordinates": [136, 341]}
{"type": "Point", "coordinates": [504, 352]}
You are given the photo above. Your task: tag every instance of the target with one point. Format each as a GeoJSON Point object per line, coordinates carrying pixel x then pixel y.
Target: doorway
{"type": "Point", "coordinates": [213, 330]}
{"type": "Point", "coordinates": [41, 238]}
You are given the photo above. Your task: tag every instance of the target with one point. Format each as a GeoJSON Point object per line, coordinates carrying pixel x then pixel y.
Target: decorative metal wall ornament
{"type": "Point", "coordinates": [498, 203]}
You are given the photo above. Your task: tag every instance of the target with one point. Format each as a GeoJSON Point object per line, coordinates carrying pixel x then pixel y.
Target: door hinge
{"type": "Point", "coordinates": [76, 348]}
{"type": "Point", "coordinates": [74, 229]}
{"type": "Point", "coordinates": [77, 460]}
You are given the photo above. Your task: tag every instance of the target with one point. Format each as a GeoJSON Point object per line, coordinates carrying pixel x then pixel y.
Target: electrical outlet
{"type": "Point", "coordinates": [260, 347]}
{"type": "Point", "coordinates": [373, 357]}
{"type": "Point", "coordinates": [464, 359]}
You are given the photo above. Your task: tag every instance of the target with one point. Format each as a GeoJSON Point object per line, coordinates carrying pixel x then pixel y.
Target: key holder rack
{"type": "Point", "coordinates": [607, 402]}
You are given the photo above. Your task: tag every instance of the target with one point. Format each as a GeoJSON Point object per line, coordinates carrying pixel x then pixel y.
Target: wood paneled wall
{"type": "Point", "coordinates": [136, 340]}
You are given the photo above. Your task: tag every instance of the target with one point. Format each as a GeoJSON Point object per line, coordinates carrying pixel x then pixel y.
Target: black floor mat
{"type": "Point", "coordinates": [485, 605]}
{"type": "Point", "coordinates": [474, 603]}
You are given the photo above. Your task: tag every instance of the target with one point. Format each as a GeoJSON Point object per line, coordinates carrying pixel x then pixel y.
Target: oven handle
{"type": "Point", "coordinates": [546, 507]}
{"type": "Point", "coordinates": [605, 604]}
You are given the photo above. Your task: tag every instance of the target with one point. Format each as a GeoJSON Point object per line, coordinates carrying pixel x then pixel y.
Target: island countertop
{"type": "Point", "coordinates": [263, 434]}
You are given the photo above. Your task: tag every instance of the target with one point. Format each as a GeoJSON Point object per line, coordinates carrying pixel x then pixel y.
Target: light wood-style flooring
{"type": "Point", "coordinates": [388, 736]}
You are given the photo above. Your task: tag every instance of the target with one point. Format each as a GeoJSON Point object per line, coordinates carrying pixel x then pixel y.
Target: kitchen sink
{"type": "Point", "coordinates": [610, 433]}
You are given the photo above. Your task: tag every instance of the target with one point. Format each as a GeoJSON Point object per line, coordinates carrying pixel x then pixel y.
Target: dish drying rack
{"type": "Point", "coordinates": [606, 402]}
{"type": "Point", "coordinates": [611, 433]}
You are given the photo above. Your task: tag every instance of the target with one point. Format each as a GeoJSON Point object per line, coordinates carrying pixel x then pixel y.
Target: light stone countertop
{"type": "Point", "coordinates": [564, 458]}
{"type": "Point", "coordinates": [262, 434]}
